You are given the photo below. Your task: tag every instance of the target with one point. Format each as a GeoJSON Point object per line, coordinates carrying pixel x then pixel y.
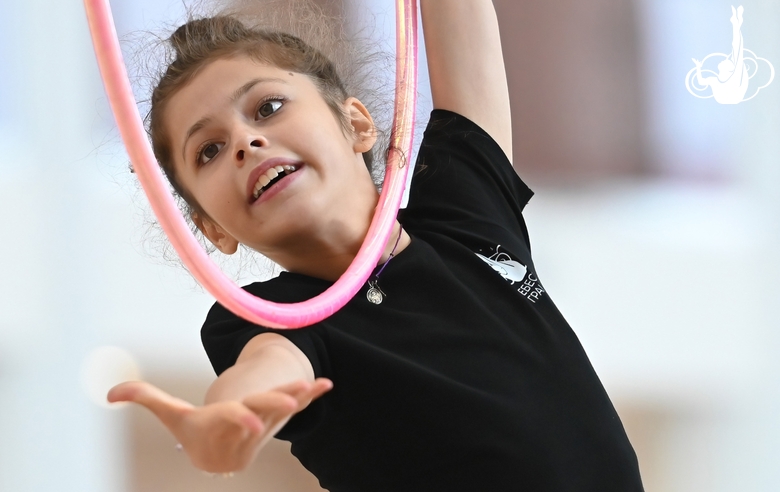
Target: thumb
{"type": "Point", "coordinates": [166, 407]}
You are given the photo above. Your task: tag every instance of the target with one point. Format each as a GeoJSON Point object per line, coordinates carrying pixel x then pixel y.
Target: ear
{"type": "Point", "coordinates": [216, 234]}
{"type": "Point", "coordinates": [363, 128]}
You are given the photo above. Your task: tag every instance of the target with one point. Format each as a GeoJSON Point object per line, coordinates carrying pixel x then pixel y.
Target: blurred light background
{"type": "Point", "coordinates": [654, 226]}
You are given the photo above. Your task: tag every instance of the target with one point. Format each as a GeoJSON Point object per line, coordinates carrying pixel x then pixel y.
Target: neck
{"type": "Point", "coordinates": [330, 257]}
{"type": "Point", "coordinates": [327, 242]}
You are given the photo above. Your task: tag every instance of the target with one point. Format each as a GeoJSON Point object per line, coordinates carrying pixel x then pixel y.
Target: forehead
{"type": "Point", "coordinates": [213, 89]}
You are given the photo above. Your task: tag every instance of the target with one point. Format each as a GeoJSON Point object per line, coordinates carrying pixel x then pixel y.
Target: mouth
{"type": "Point", "coordinates": [266, 176]}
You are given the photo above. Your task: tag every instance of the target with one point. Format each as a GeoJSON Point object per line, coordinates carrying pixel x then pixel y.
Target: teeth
{"type": "Point", "coordinates": [269, 176]}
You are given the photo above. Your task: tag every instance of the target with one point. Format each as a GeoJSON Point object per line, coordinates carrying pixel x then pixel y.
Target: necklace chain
{"type": "Point", "coordinates": [375, 294]}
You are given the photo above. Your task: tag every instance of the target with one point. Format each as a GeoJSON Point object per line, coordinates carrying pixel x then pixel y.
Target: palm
{"type": "Point", "coordinates": [224, 436]}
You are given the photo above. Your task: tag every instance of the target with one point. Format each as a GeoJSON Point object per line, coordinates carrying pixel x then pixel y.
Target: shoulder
{"type": "Point", "coordinates": [225, 335]}
{"type": "Point", "coordinates": [454, 142]}
{"type": "Point", "coordinates": [463, 183]}
{"type": "Point", "coordinates": [455, 137]}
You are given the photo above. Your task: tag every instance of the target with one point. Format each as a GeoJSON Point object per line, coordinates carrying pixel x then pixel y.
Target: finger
{"type": "Point", "coordinates": [299, 390]}
{"type": "Point", "coordinates": [231, 414]}
{"type": "Point", "coordinates": [166, 407]}
{"type": "Point", "coordinates": [320, 387]}
{"type": "Point", "coordinates": [305, 395]}
{"type": "Point", "coordinates": [293, 388]}
{"type": "Point", "coordinates": [305, 391]}
{"type": "Point", "coordinates": [249, 420]}
{"type": "Point", "coordinates": [273, 410]}
{"type": "Point", "coordinates": [218, 437]}
{"type": "Point", "coordinates": [271, 402]}
{"type": "Point", "coordinates": [317, 389]}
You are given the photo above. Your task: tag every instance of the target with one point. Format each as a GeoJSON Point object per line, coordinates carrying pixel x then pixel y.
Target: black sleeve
{"type": "Point", "coordinates": [464, 181]}
{"type": "Point", "coordinates": [224, 336]}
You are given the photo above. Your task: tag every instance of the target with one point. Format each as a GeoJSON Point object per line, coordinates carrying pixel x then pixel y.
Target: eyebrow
{"type": "Point", "coordinates": [248, 86]}
{"type": "Point", "coordinates": [237, 94]}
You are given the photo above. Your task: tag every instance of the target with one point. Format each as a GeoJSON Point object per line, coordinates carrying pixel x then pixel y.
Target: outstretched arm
{"type": "Point", "coordinates": [245, 407]}
{"type": "Point", "coordinates": [466, 64]}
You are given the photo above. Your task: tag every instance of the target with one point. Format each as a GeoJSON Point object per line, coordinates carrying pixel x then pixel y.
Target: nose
{"type": "Point", "coordinates": [247, 147]}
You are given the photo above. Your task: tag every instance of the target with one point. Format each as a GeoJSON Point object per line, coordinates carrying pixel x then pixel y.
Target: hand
{"type": "Point", "coordinates": [696, 62]}
{"type": "Point", "coordinates": [225, 436]}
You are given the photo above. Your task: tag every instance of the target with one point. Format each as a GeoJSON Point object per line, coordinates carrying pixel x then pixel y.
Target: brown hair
{"type": "Point", "coordinates": [201, 41]}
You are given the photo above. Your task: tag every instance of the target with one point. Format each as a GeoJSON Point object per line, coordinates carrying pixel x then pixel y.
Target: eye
{"type": "Point", "coordinates": [269, 107]}
{"type": "Point", "coordinates": [208, 152]}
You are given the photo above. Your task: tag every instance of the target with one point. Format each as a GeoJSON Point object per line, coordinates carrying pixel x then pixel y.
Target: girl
{"type": "Point", "coordinates": [451, 369]}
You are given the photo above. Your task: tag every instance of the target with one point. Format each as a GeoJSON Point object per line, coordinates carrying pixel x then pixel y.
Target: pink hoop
{"type": "Point", "coordinates": [249, 307]}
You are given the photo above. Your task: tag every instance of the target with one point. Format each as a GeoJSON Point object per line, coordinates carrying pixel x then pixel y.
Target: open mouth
{"type": "Point", "coordinates": [271, 178]}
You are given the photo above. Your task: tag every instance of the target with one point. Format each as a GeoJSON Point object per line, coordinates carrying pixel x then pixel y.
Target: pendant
{"type": "Point", "coordinates": [374, 294]}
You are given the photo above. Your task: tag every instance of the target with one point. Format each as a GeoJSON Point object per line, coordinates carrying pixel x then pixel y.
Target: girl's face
{"type": "Point", "coordinates": [239, 119]}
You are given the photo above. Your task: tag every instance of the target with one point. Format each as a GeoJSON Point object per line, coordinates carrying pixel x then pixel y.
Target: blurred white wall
{"type": "Point", "coordinates": [73, 278]}
{"type": "Point", "coordinates": [670, 282]}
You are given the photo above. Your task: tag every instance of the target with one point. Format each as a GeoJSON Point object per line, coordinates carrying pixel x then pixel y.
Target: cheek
{"type": "Point", "coordinates": [213, 193]}
{"type": "Point", "coordinates": [323, 131]}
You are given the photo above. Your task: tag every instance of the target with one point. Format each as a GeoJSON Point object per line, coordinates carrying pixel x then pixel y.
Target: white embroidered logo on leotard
{"type": "Point", "coordinates": [514, 272]}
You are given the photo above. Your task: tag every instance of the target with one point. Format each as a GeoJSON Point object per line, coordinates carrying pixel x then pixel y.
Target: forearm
{"type": "Point", "coordinates": [265, 364]}
{"type": "Point", "coordinates": [466, 64]}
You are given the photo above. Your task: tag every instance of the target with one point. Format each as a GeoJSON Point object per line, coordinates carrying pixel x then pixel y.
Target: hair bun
{"type": "Point", "coordinates": [198, 35]}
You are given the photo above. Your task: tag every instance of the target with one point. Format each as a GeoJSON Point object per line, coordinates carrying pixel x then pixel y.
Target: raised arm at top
{"type": "Point", "coordinates": [466, 64]}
